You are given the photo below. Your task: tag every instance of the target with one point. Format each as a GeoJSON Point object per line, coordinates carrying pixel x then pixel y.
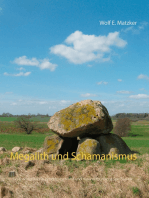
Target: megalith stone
{"type": "Point", "coordinates": [108, 141]}
{"type": "Point", "coordinates": [87, 147]}
{"type": "Point", "coordinates": [81, 119]}
{"type": "Point", "coordinates": [52, 144]}
{"type": "Point", "coordinates": [59, 145]}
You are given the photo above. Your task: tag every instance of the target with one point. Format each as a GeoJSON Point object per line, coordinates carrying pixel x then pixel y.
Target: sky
{"type": "Point", "coordinates": [55, 53]}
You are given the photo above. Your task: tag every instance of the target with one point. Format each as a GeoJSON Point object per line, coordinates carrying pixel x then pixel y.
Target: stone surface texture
{"type": "Point", "coordinates": [16, 149]}
{"type": "Point", "coordinates": [80, 119]}
{"type": "Point", "coordinates": [108, 141]}
{"type": "Point", "coordinates": [86, 148]}
{"type": "Point", "coordinates": [52, 144]}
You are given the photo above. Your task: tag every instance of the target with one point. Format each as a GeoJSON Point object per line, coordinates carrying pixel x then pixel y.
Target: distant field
{"type": "Point", "coordinates": [38, 118]}
{"type": "Point", "coordinates": [33, 140]}
{"type": "Point", "coordinates": [10, 136]}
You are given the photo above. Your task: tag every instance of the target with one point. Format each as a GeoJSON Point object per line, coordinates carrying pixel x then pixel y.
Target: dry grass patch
{"type": "Point", "coordinates": [75, 179]}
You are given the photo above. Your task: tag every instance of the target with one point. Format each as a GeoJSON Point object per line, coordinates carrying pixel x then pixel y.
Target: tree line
{"type": "Point", "coordinates": [31, 115]}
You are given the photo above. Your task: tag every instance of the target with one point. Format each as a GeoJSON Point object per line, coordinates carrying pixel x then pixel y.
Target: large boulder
{"type": "Point", "coordinates": [87, 148]}
{"type": "Point", "coordinates": [81, 119]}
{"type": "Point", "coordinates": [109, 141]}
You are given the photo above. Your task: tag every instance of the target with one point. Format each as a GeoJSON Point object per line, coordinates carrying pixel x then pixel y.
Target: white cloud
{"type": "Point", "coordinates": [124, 92]}
{"type": "Point", "coordinates": [127, 29]}
{"type": "Point", "coordinates": [21, 68]}
{"type": "Point", "coordinates": [101, 82]}
{"type": "Point", "coordinates": [24, 61]}
{"type": "Point", "coordinates": [42, 64]}
{"type": "Point", "coordinates": [84, 48]}
{"type": "Point", "coordinates": [120, 80]}
{"type": "Point", "coordinates": [43, 102]}
{"type": "Point", "coordinates": [30, 105]}
{"type": "Point", "coordinates": [47, 65]}
{"type": "Point", "coordinates": [137, 29]}
{"type": "Point", "coordinates": [88, 95]}
{"type": "Point", "coordinates": [139, 96]}
{"type": "Point", "coordinates": [141, 76]}
{"type": "Point", "coordinates": [19, 74]}
{"type": "Point", "coordinates": [143, 24]}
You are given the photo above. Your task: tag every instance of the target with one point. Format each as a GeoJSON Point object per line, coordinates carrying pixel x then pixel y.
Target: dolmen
{"type": "Point", "coordinates": [82, 132]}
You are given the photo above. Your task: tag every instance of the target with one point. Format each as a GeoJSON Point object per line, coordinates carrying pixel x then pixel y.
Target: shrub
{"type": "Point", "coordinates": [122, 127]}
{"type": "Point", "coordinates": [23, 122]}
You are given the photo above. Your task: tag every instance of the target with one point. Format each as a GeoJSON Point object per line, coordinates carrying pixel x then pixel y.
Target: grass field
{"type": "Point", "coordinates": [117, 178]}
{"type": "Point", "coordinates": [10, 136]}
{"type": "Point", "coordinates": [37, 118]}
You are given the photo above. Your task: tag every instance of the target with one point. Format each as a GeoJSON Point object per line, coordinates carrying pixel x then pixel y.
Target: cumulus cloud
{"type": "Point", "coordinates": [24, 61]}
{"type": "Point", "coordinates": [124, 92]}
{"type": "Point", "coordinates": [141, 76]}
{"type": "Point", "coordinates": [45, 64]}
{"type": "Point", "coordinates": [139, 96]}
{"type": "Point", "coordinates": [120, 80]}
{"type": "Point", "coordinates": [135, 30]}
{"type": "Point", "coordinates": [42, 64]}
{"type": "Point", "coordinates": [81, 48]}
{"type": "Point", "coordinates": [102, 82]}
{"type": "Point", "coordinates": [19, 74]}
{"type": "Point", "coordinates": [88, 95]}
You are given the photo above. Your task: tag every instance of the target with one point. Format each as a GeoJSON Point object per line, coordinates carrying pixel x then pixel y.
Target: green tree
{"type": "Point", "coordinates": [24, 122]}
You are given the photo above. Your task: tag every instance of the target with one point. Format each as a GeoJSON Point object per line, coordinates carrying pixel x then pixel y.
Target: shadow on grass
{"type": "Point", "coordinates": [134, 135]}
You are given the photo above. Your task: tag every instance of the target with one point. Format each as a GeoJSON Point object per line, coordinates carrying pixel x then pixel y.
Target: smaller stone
{"type": "Point", "coordinates": [2, 149]}
{"type": "Point", "coordinates": [113, 152]}
{"type": "Point", "coordinates": [12, 174]}
{"type": "Point", "coordinates": [16, 149]}
{"type": "Point", "coordinates": [87, 148]}
{"type": "Point", "coordinates": [52, 144]}
{"type": "Point", "coordinates": [27, 150]}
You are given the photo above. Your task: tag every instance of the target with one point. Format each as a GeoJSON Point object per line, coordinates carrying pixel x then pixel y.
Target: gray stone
{"type": "Point", "coordinates": [81, 119]}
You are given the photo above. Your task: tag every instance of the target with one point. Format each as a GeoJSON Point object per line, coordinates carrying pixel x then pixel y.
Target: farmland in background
{"type": "Point", "coordinates": [11, 136]}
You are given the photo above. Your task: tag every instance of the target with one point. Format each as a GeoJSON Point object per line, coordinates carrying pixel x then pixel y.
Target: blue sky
{"type": "Point", "coordinates": [55, 53]}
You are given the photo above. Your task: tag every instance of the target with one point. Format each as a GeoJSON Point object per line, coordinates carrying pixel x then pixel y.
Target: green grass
{"type": "Point", "coordinates": [33, 140]}
{"type": "Point", "coordinates": [138, 139]}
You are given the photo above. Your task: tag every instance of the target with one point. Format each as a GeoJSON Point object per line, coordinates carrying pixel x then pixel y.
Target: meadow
{"type": "Point", "coordinates": [67, 178]}
{"type": "Point", "coordinates": [11, 136]}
